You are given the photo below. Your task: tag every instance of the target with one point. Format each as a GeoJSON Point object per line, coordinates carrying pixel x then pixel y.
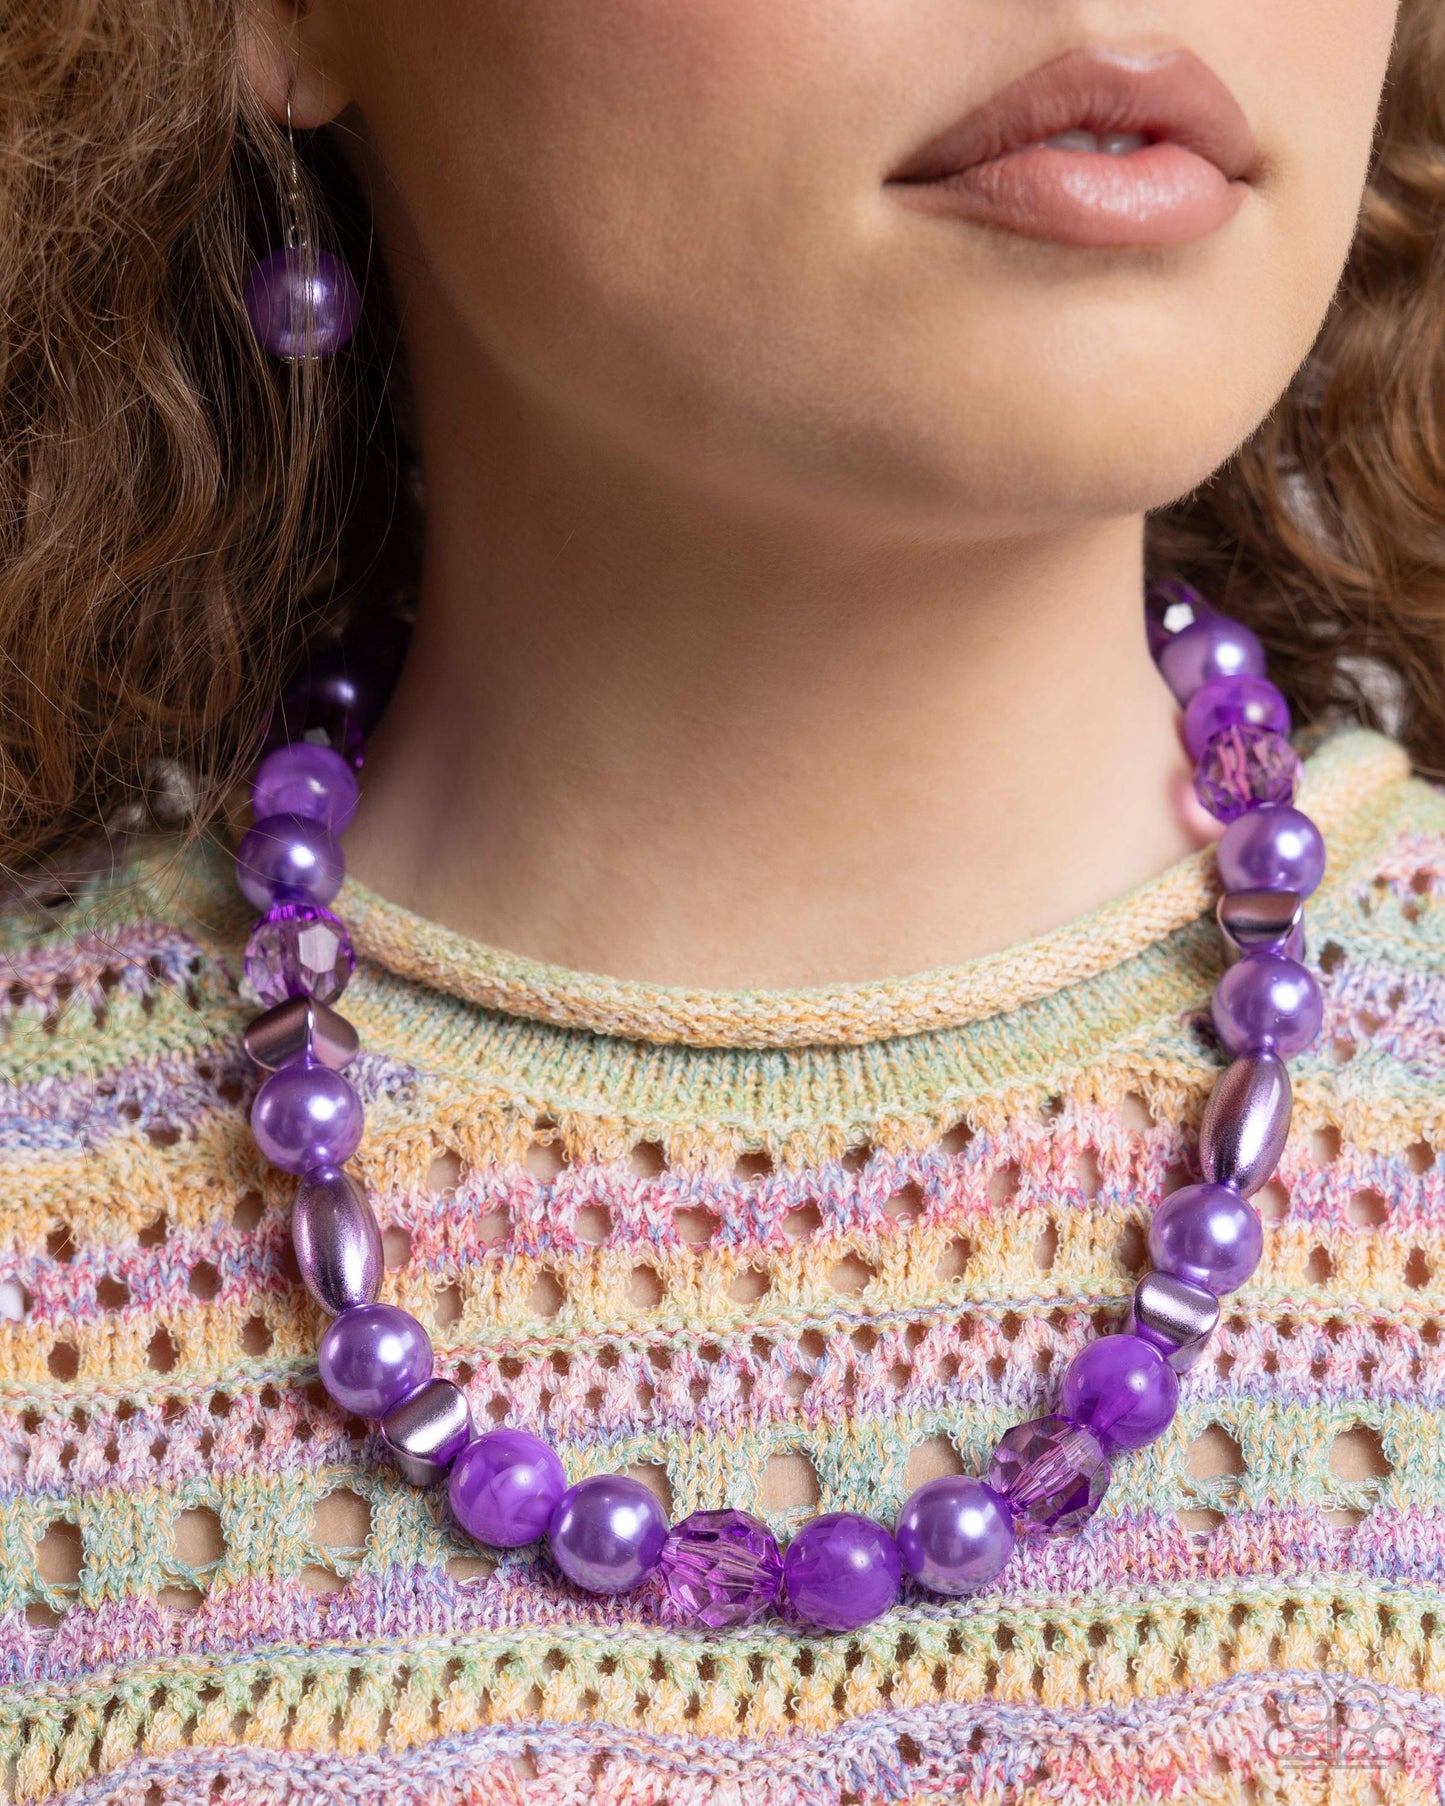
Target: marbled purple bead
{"type": "Point", "coordinates": [1245, 768]}
{"type": "Point", "coordinates": [606, 1533]}
{"type": "Point", "coordinates": [841, 1570]}
{"type": "Point", "coordinates": [720, 1568]}
{"type": "Point", "coordinates": [1267, 1001]}
{"type": "Point", "coordinates": [299, 950]}
{"type": "Point", "coordinates": [1208, 1234]}
{"type": "Point", "coordinates": [288, 859]}
{"type": "Point", "coordinates": [1052, 1474]}
{"type": "Point", "coordinates": [306, 1115]}
{"type": "Point", "coordinates": [311, 781]}
{"type": "Point", "coordinates": [1272, 849]}
{"type": "Point", "coordinates": [955, 1534]}
{"type": "Point", "coordinates": [1211, 646]}
{"type": "Point", "coordinates": [302, 303]}
{"type": "Point", "coordinates": [372, 1357]}
{"type": "Point", "coordinates": [504, 1487]}
{"type": "Point", "coordinates": [1243, 701]}
{"type": "Point", "coordinates": [1122, 1389]}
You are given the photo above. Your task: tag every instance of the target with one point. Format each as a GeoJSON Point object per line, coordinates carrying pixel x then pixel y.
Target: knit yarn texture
{"type": "Point", "coordinates": [730, 1239]}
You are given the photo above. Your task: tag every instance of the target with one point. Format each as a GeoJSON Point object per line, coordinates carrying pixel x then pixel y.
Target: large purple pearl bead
{"type": "Point", "coordinates": [606, 1533]}
{"type": "Point", "coordinates": [955, 1534]}
{"type": "Point", "coordinates": [1208, 1234]}
{"type": "Point", "coordinates": [372, 1357]}
{"type": "Point", "coordinates": [306, 1115]}
{"type": "Point", "coordinates": [504, 1487]}
{"type": "Point", "coordinates": [289, 859]}
{"type": "Point", "coordinates": [1267, 1001]}
{"type": "Point", "coordinates": [1233, 702]}
{"type": "Point", "coordinates": [1122, 1389]}
{"type": "Point", "coordinates": [1210, 646]}
{"type": "Point", "coordinates": [1272, 849]}
{"type": "Point", "coordinates": [302, 303]}
{"type": "Point", "coordinates": [306, 780]}
{"type": "Point", "coordinates": [841, 1570]}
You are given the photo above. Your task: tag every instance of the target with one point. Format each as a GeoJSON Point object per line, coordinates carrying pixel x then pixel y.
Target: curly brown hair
{"type": "Point", "coordinates": [174, 509]}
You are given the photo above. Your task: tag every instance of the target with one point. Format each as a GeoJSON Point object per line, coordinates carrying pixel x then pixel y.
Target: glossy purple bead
{"type": "Point", "coordinates": [955, 1534]}
{"type": "Point", "coordinates": [302, 303]}
{"type": "Point", "coordinates": [1122, 1389]}
{"type": "Point", "coordinates": [720, 1568]}
{"type": "Point", "coordinates": [841, 1570]}
{"type": "Point", "coordinates": [372, 1357]}
{"type": "Point", "coordinates": [288, 859]}
{"type": "Point", "coordinates": [1052, 1474]}
{"type": "Point", "coordinates": [306, 1115]}
{"type": "Point", "coordinates": [1208, 1234]}
{"type": "Point", "coordinates": [307, 780]}
{"type": "Point", "coordinates": [299, 950]}
{"type": "Point", "coordinates": [1272, 849]}
{"type": "Point", "coordinates": [1211, 646]}
{"type": "Point", "coordinates": [504, 1487]}
{"type": "Point", "coordinates": [337, 1240]}
{"type": "Point", "coordinates": [606, 1533]}
{"type": "Point", "coordinates": [1243, 701]}
{"type": "Point", "coordinates": [1245, 768]}
{"type": "Point", "coordinates": [1267, 1001]}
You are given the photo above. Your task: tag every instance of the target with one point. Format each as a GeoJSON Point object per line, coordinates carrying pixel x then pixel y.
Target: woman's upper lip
{"type": "Point", "coordinates": [1176, 98]}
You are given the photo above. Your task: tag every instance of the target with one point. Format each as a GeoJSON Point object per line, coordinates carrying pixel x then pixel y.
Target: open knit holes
{"type": "Point", "coordinates": [59, 1558]}
{"type": "Point", "coordinates": [340, 1527]}
{"type": "Point", "coordinates": [1214, 1466]}
{"type": "Point", "coordinates": [198, 1550]}
{"type": "Point", "coordinates": [1358, 1467]}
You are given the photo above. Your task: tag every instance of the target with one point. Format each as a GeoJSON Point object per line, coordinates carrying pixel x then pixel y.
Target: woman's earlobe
{"type": "Point", "coordinates": [280, 56]}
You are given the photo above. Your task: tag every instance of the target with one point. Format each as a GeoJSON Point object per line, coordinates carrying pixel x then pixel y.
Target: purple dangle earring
{"type": "Point", "coordinates": [302, 302]}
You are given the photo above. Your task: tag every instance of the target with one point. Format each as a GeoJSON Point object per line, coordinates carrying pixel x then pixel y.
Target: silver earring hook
{"type": "Point", "coordinates": [295, 236]}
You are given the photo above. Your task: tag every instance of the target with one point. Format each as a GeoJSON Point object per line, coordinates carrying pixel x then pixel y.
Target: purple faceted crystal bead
{"type": "Point", "coordinates": [1208, 1234]}
{"type": "Point", "coordinates": [288, 859]}
{"type": "Point", "coordinates": [1272, 849]}
{"type": "Point", "coordinates": [372, 1357]}
{"type": "Point", "coordinates": [299, 950]}
{"type": "Point", "coordinates": [1052, 1473]}
{"type": "Point", "coordinates": [1243, 701]}
{"type": "Point", "coordinates": [1122, 1389]}
{"type": "Point", "coordinates": [720, 1568]}
{"type": "Point", "coordinates": [307, 780]}
{"type": "Point", "coordinates": [1169, 607]}
{"type": "Point", "coordinates": [1245, 768]}
{"type": "Point", "coordinates": [302, 302]}
{"type": "Point", "coordinates": [606, 1533]}
{"type": "Point", "coordinates": [504, 1487]}
{"type": "Point", "coordinates": [1265, 1001]}
{"type": "Point", "coordinates": [955, 1534]}
{"type": "Point", "coordinates": [1210, 646]}
{"type": "Point", "coordinates": [841, 1570]}
{"type": "Point", "coordinates": [306, 1115]}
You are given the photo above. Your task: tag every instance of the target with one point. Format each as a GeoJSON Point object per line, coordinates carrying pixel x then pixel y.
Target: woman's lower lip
{"type": "Point", "coordinates": [1161, 195]}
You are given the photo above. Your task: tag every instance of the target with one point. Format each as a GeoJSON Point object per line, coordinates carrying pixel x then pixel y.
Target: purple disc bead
{"type": "Point", "coordinates": [955, 1534]}
{"type": "Point", "coordinates": [720, 1568]}
{"type": "Point", "coordinates": [606, 1533]}
{"type": "Point", "coordinates": [289, 859]}
{"type": "Point", "coordinates": [302, 303]}
{"type": "Point", "coordinates": [306, 1115]}
{"type": "Point", "coordinates": [1243, 701]}
{"type": "Point", "coordinates": [1272, 849]}
{"type": "Point", "coordinates": [307, 780]}
{"type": "Point", "coordinates": [1208, 1234]}
{"type": "Point", "coordinates": [1265, 1001]}
{"type": "Point", "coordinates": [1122, 1389]}
{"type": "Point", "coordinates": [504, 1487]}
{"type": "Point", "coordinates": [372, 1357]}
{"type": "Point", "coordinates": [841, 1570]}
{"type": "Point", "coordinates": [299, 950]}
{"type": "Point", "coordinates": [1210, 646]}
{"type": "Point", "coordinates": [1052, 1474]}
{"type": "Point", "coordinates": [1245, 768]}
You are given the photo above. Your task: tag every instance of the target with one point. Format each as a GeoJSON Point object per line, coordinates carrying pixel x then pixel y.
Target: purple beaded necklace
{"type": "Point", "coordinates": [608, 1534]}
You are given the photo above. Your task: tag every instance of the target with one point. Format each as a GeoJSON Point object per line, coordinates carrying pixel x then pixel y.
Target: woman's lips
{"type": "Point", "coordinates": [1181, 172]}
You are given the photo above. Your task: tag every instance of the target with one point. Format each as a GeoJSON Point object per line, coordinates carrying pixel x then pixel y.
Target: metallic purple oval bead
{"type": "Point", "coordinates": [1210, 646]}
{"type": "Point", "coordinates": [337, 1240]}
{"type": "Point", "coordinates": [1246, 1122]}
{"type": "Point", "coordinates": [302, 302]}
{"type": "Point", "coordinates": [299, 1028]}
{"type": "Point", "coordinates": [427, 1431]}
{"type": "Point", "coordinates": [299, 950]}
{"type": "Point", "coordinates": [1226, 702]}
{"type": "Point", "coordinates": [1122, 1389]}
{"type": "Point", "coordinates": [372, 1357]}
{"type": "Point", "coordinates": [306, 1115]}
{"type": "Point", "coordinates": [1176, 1315]}
{"type": "Point", "coordinates": [1208, 1234]}
{"type": "Point", "coordinates": [1266, 1002]}
{"type": "Point", "coordinates": [307, 780]}
{"type": "Point", "coordinates": [288, 859]}
{"type": "Point", "coordinates": [1052, 1475]}
{"type": "Point", "coordinates": [606, 1534]}
{"type": "Point", "coordinates": [1278, 848]}
{"type": "Point", "coordinates": [504, 1488]}
{"type": "Point", "coordinates": [841, 1570]}
{"type": "Point", "coordinates": [720, 1568]}
{"type": "Point", "coordinates": [1245, 768]}
{"type": "Point", "coordinates": [955, 1534]}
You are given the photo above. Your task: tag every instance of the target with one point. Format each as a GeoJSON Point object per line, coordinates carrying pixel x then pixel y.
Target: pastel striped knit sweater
{"type": "Point", "coordinates": [716, 1234]}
